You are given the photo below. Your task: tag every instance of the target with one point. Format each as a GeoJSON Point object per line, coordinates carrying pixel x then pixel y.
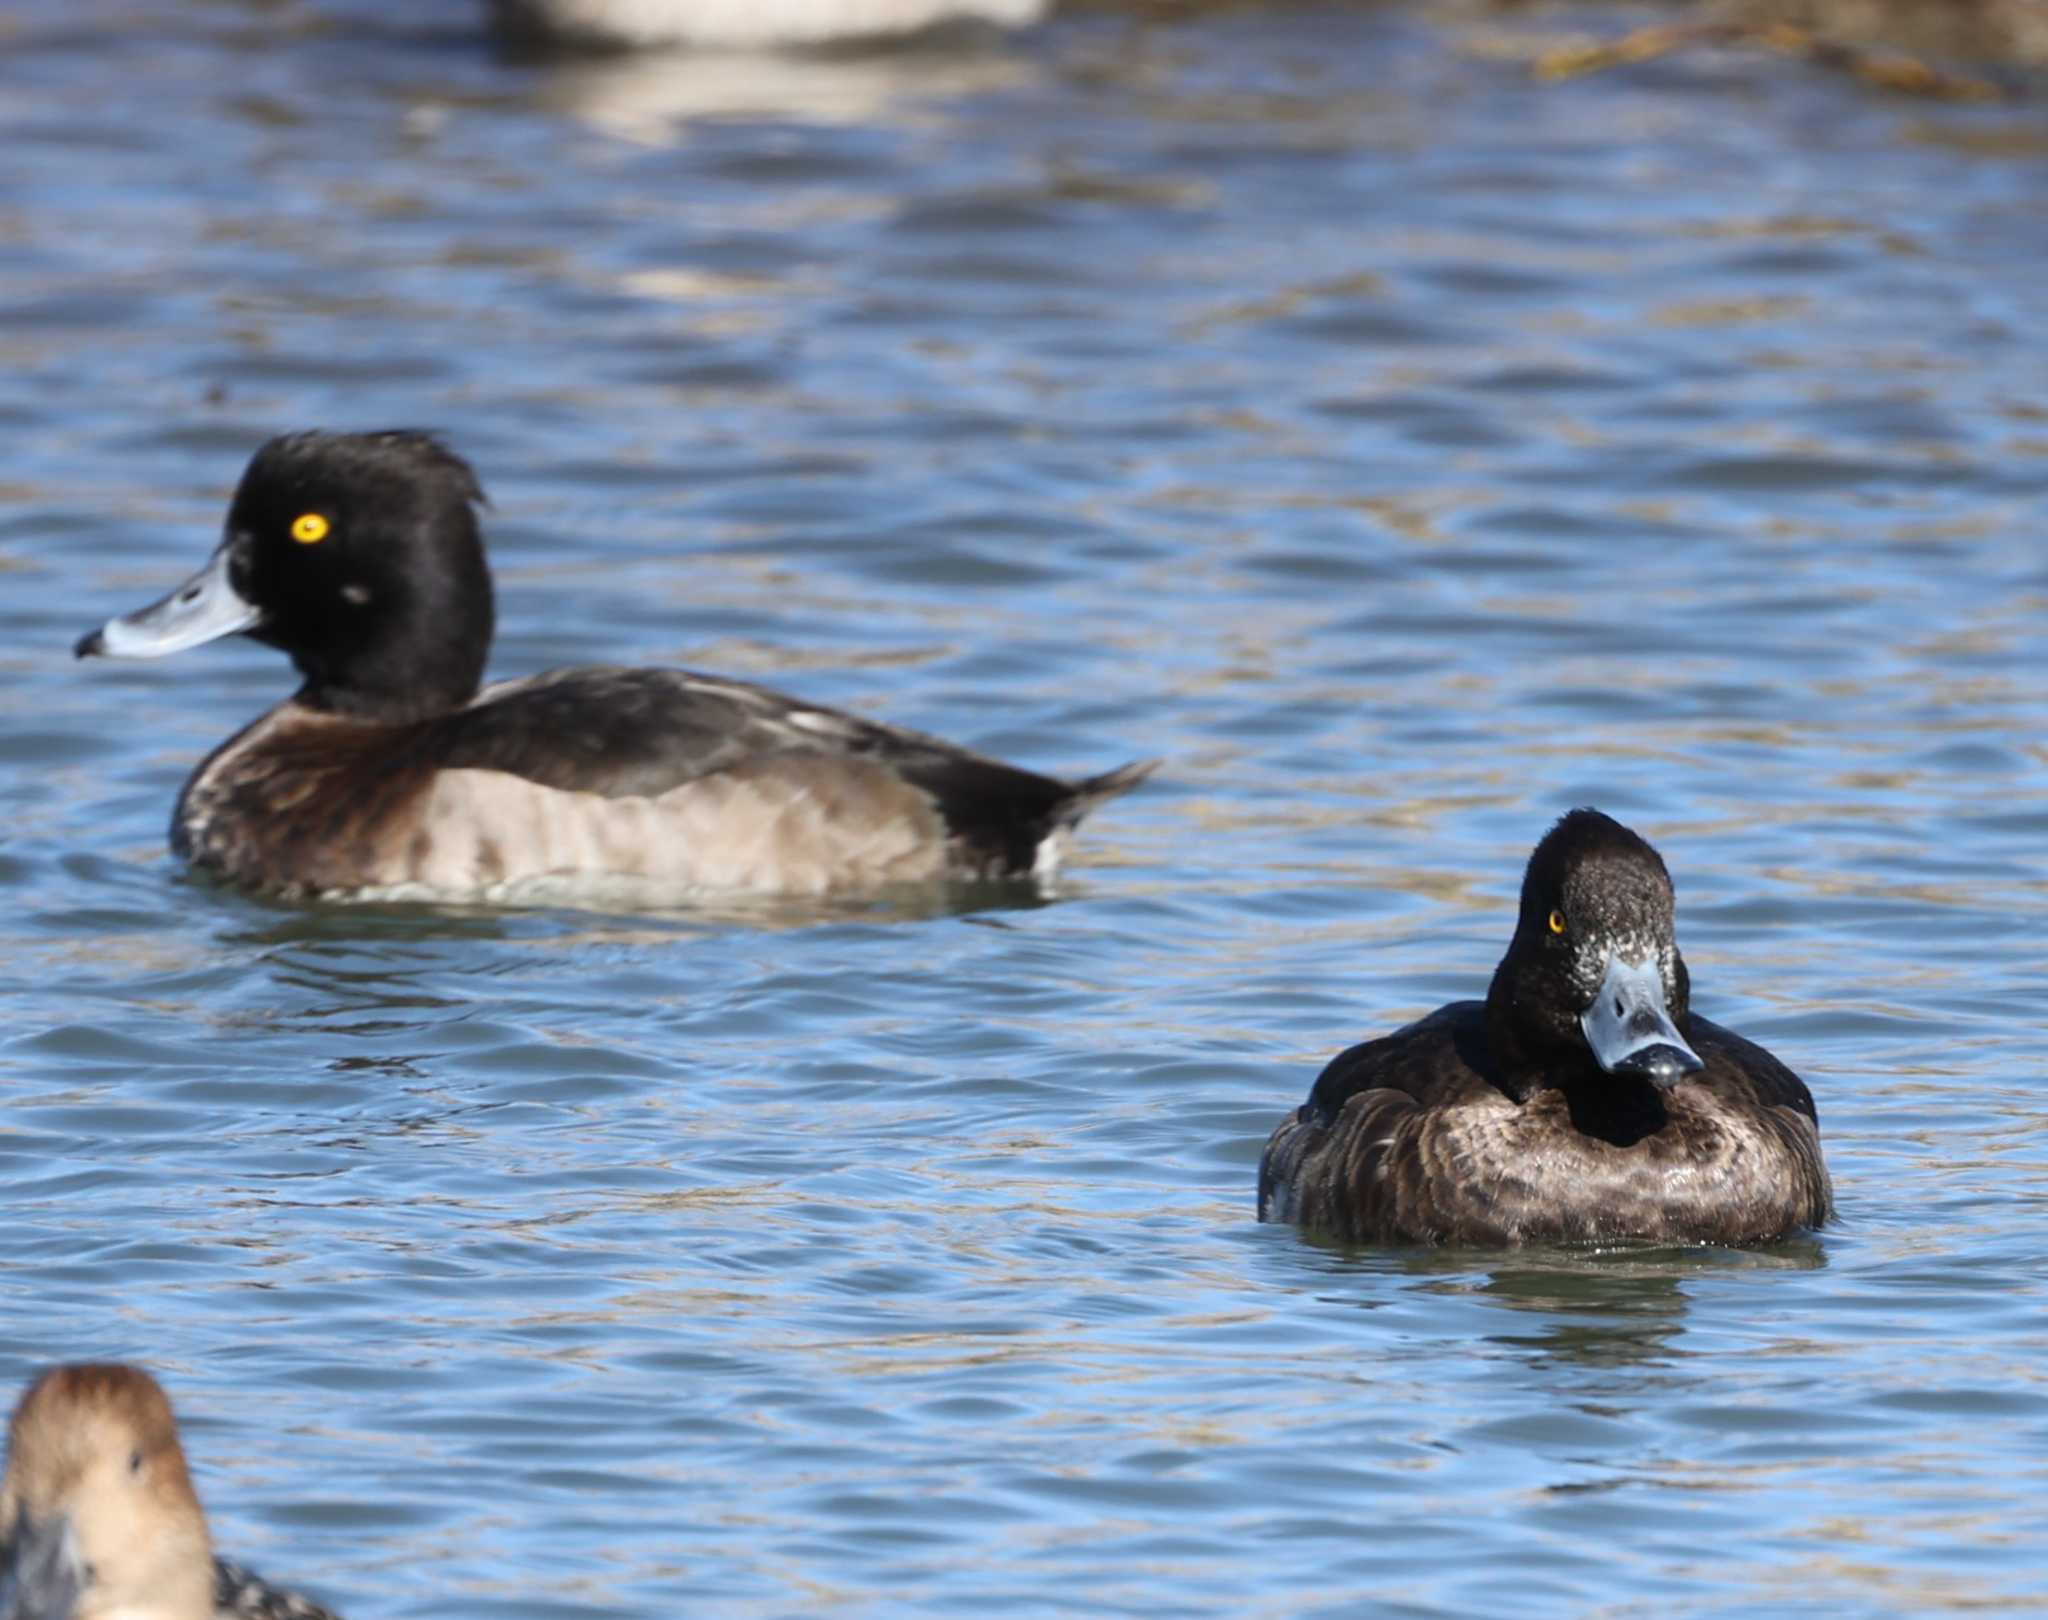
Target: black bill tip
{"type": "Point", "coordinates": [1663, 1065]}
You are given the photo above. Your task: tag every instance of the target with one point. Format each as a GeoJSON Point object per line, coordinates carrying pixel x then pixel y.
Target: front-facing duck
{"type": "Point", "coordinates": [1582, 1100]}
{"type": "Point", "coordinates": [391, 774]}
{"type": "Point", "coordinates": [98, 1517]}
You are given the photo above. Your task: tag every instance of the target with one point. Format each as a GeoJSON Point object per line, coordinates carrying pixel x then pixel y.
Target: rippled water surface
{"type": "Point", "coordinates": [1403, 449]}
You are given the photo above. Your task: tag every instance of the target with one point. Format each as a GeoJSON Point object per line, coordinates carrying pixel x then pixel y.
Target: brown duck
{"type": "Point", "coordinates": [98, 1518]}
{"type": "Point", "coordinates": [1582, 1101]}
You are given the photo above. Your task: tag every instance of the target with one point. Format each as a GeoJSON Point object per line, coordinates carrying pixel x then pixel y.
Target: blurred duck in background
{"type": "Point", "coordinates": [741, 24]}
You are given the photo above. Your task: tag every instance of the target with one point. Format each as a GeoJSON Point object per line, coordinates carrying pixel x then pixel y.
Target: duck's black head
{"type": "Point", "coordinates": [1592, 979]}
{"type": "Point", "coordinates": [356, 553]}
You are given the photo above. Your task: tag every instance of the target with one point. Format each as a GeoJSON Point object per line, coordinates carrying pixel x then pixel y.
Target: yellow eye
{"type": "Point", "coordinates": [1557, 922]}
{"type": "Point", "coordinates": [309, 528]}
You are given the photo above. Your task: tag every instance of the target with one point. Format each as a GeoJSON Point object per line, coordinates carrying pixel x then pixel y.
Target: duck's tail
{"type": "Point", "coordinates": [1083, 796]}
{"type": "Point", "coordinates": [1075, 802]}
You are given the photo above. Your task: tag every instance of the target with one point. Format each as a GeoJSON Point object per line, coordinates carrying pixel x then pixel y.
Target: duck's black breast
{"type": "Point", "coordinates": [1411, 1138]}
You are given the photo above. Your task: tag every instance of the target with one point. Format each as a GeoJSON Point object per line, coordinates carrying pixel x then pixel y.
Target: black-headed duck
{"type": "Point", "coordinates": [389, 774]}
{"type": "Point", "coordinates": [1582, 1100]}
{"type": "Point", "coordinates": [98, 1518]}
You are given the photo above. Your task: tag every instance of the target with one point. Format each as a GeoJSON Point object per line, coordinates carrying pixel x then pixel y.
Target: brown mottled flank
{"type": "Point", "coordinates": [303, 803]}
{"type": "Point", "coordinates": [1436, 1152]}
{"type": "Point", "coordinates": [679, 782]}
{"type": "Point", "coordinates": [97, 1509]}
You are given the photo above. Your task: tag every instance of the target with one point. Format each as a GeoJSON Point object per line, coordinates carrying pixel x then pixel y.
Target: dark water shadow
{"type": "Point", "coordinates": [1607, 1306]}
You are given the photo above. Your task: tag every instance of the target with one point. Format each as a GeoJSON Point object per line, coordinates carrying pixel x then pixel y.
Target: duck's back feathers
{"type": "Point", "coordinates": [644, 732]}
{"type": "Point", "coordinates": [1409, 1138]}
{"type": "Point", "coordinates": [241, 1594]}
{"type": "Point", "coordinates": [632, 733]}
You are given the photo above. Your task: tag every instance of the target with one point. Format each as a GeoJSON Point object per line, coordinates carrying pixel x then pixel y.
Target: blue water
{"type": "Point", "coordinates": [1405, 450]}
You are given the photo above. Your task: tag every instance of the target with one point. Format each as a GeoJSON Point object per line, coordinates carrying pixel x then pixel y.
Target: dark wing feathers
{"type": "Point", "coordinates": [1414, 1060]}
{"type": "Point", "coordinates": [1733, 1059]}
{"type": "Point", "coordinates": [631, 732]}
{"type": "Point", "coordinates": [1334, 1165]}
{"type": "Point", "coordinates": [628, 732]}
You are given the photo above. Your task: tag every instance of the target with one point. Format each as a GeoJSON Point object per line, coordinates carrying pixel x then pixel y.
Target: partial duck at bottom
{"type": "Point", "coordinates": [1582, 1101]}
{"type": "Point", "coordinates": [98, 1517]}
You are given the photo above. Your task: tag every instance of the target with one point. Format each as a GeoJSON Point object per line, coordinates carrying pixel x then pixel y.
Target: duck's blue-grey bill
{"type": "Point", "coordinates": [1629, 1030]}
{"type": "Point", "coordinates": [38, 1571]}
{"type": "Point", "coordinates": [206, 607]}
